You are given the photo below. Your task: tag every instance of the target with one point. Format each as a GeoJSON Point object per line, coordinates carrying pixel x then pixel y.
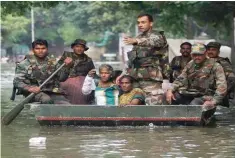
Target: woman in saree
{"type": "Point", "coordinates": [105, 91]}
{"type": "Point", "coordinates": [130, 95]}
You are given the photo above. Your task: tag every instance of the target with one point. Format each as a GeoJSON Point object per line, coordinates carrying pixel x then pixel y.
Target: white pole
{"type": "Point", "coordinates": [32, 24]}
{"type": "Point", "coordinates": [136, 30]}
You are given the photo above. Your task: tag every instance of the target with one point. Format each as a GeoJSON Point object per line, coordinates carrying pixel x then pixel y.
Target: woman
{"type": "Point", "coordinates": [106, 92]}
{"type": "Point", "coordinates": [130, 96]}
{"type": "Point", "coordinates": [76, 72]}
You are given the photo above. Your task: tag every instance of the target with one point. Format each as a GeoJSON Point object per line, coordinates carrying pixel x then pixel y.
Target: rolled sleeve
{"type": "Point", "coordinates": [221, 84]}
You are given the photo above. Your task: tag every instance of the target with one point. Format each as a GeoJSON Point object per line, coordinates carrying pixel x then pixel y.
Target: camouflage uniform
{"type": "Point", "coordinates": [225, 63]}
{"type": "Point", "coordinates": [74, 77]}
{"type": "Point", "coordinates": [148, 63]}
{"type": "Point", "coordinates": [198, 84]}
{"type": "Point", "coordinates": [82, 64]}
{"type": "Point", "coordinates": [32, 72]}
{"type": "Point", "coordinates": [177, 65]}
{"type": "Point", "coordinates": [229, 74]}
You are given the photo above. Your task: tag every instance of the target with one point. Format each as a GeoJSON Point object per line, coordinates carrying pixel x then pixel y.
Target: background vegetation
{"type": "Point", "coordinates": [62, 22]}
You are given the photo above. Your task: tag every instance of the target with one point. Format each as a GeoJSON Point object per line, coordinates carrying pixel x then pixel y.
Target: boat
{"type": "Point", "coordinates": [141, 115]}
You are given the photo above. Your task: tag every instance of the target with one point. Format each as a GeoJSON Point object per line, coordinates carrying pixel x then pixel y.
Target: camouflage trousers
{"type": "Point", "coordinates": [186, 100]}
{"type": "Point", "coordinates": [153, 92]}
{"type": "Point", "coordinates": [50, 98]}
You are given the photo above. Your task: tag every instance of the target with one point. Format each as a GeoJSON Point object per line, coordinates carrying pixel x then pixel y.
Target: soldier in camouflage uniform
{"type": "Point", "coordinates": [75, 74]}
{"type": "Point", "coordinates": [148, 60]}
{"type": "Point", "coordinates": [179, 62]}
{"type": "Point", "coordinates": [202, 82]}
{"type": "Point", "coordinates": [34, 70]}
{"type": "Point", "coordinates": [213, 50]}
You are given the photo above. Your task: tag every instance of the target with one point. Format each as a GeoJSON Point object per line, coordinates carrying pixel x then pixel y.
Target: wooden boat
{"type": "Point", "coordinates": [93, 115]}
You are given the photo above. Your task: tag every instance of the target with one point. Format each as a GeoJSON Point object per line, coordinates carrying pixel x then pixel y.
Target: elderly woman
{"type": "Point", "coordinates": [130, 95]}
{"type": "Point", "coordinates": [76, 72]}
{"type": "Point", "coordinates": [106, 92]}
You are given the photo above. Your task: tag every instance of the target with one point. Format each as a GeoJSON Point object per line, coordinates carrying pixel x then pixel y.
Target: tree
{"type": "Point", "coordinates": [21, 7]}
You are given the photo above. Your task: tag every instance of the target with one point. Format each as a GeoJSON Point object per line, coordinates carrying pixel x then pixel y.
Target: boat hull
{"type": "Point", "coordinates": [93, 115]}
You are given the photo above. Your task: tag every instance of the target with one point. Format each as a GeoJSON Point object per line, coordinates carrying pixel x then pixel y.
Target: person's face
{"type": "Point", "coordinates": [144, 24]}
{"type": "Point", "coordinates": [198, 58]}
{"type": "Point", "coordinates": [212, 52]}
{"type": "Point", "coordinates": [105, 75]}
{"type": "Point", "coordinates": [78, 49]}
{"type": "Point", "coordinates": [185, 50]}
{"type": "Point", "coordinates": [126, 85]}
{"type": "Point", "coordinates": [40, 51]}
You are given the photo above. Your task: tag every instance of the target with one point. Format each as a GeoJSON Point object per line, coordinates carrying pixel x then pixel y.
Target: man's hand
{"type": "Point", "coordinates": [34, 89]}
{"type": "Point", "coordinates": [129, 40]}
{"type": "Point", "coordinates": [118, 80]}
{"type": "Point", "coordinates": [68, 61]}
{"type": "Point", "coordinates": [169, 96]}
{"type": "Point", "coordinates": [209, 105]}
{"type": "Point", "coordinates": [92, 73]}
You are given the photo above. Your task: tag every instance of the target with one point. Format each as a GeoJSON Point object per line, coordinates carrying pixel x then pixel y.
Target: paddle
{"type": "Point", "coordinates": [10, 116]}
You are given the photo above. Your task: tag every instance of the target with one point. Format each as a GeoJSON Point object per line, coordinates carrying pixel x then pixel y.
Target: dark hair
{"type": "Point", "coordinates": [116, 73]}
{"type": "Point", "coordinates": [131, 79]}
{"type": "Point", "coordinates": [186, 43]}
{"type": "Point", "coordinates": [148, 15]}
{"type": "Point", "coordinates": [39, 42]}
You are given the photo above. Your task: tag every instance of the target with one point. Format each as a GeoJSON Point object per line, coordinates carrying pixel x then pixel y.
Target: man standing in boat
{"type": "Point", "coordinates": [34, 70]}
{"type": "Point", "coordinates": [202, 82]}
{"type": "Point", "coordinates": [213, 50]}
{"type": "Point", "coordinates": [179, 62]}
{"type": "Point", "coordinates": [148, 60]}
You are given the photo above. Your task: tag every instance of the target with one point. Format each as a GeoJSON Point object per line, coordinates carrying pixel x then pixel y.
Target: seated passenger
{"type": "Point", "coordinates": [130, 95]}
{"type": "Point", "coordinates": [106, 92]}
{"type": "Point", "coordinates": [202, 82]}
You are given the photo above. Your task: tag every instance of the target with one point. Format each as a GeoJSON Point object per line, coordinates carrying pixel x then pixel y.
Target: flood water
{"type": "Point", "coordinates": [112, 142]}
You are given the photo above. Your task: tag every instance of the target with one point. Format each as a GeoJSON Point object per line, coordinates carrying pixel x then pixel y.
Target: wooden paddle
{"type": "Point", "coordinates": [10, 116]}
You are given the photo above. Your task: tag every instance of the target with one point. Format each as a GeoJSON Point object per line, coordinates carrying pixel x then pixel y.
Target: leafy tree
{"type": "Point", "coordinates": [13, 29]}
{"type": "Point", "coordinates": [21, 7]}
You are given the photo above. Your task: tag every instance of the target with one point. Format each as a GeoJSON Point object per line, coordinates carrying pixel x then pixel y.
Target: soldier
{"type": "Point", "coordinates": [148, 60]}
{"type": "Point", "coordinates": [34, 70]}
{"type": "Point", "coordinates": [213, 50]}
{"type": "Point", "coordinates": [202, 82]}
{"type": "Point", "coordinates": [179, 62]}
{"type": "Point", "coordinates": [76, 72]}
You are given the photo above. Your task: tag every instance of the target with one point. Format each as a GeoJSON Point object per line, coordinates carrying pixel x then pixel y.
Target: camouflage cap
{"type": "Point", "coordinates": [198, 48]}
{"type": "Point", "coordinates": [214, 45]}
{"type": "Point", "coordinates": [80, 42]}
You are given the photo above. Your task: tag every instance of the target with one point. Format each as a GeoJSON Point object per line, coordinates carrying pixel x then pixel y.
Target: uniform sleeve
{"type": "Point", "coordinates": [88, 85]}
{"type": "Point", "coordinates": [152, 41]}
{"type": "Point", "coordinates": [229, 74]}
{"type": "Point", "coordinates": [172, 63]}
{"type": "Point", "coordinates": [91, 65]}
{"type": "Point", "coordinates": [63, 74]}
{"type": "Point", "coordinates": [20, 76]}
{"type": "Point", "coordinates": [221, 84]}
{"type": "Point", "coordinates": [181, 80]}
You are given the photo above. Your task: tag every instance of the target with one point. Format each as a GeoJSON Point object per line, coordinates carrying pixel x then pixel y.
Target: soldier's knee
{"type": "Point", "coordinates": [46, 100]}
{"type": "Point", "coordinates": [197, 101]}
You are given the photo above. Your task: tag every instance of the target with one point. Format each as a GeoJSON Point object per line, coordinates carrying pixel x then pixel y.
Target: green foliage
{"type": "Point", "coordinates": [21, 7]}
{"type": "Point", "coordinates": [13, 28]}
{"type": "Point", "coordinates": [66, 21]}
{"type": "Point", "coordinates": [69, 32]}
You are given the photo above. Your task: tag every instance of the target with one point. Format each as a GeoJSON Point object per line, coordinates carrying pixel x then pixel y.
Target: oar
{"type": "Point", "coordinates": [10, 116]}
